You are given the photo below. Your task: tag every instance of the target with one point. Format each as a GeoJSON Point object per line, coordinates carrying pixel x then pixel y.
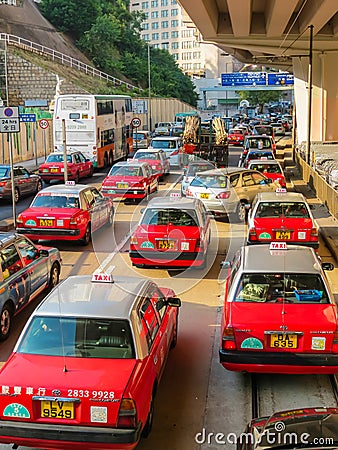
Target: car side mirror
{"type": "Point", "coordinates": [327, 266]}
{"type": "Point", "coordinates": [43, 252]}
{"type": "Point", "coordinates": [174, 301]}
{"type": "Point", "coordinates": [225, 265]}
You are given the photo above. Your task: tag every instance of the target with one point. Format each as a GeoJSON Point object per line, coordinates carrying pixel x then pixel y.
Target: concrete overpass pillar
{"type": "Point", "coordinates": [324, 96]}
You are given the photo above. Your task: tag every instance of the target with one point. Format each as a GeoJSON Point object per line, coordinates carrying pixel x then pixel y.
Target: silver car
{"type": "Point", "coordinates": [172, 147]}
{"type": "Point", "coordinates": [25, 182]}
{"type": "Point", "coordinates": [190, 172]}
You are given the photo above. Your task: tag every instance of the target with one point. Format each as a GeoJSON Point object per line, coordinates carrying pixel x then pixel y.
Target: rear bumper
{"type": "Point", "coordinates": [23, 433]}
{"type": "Point", "coordinates": [167, 259]}
{"type": "Point", "coordinates": [279, 362]}
{"type": "Point", "coordinates": [314, 245]}
{"type": "Point", "coordinates": [52, 233]}
{"type": "Point", "coordinates": [132, 193]}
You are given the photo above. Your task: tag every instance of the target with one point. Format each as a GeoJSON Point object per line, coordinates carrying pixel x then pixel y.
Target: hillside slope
{"type": "Point", "coordinates": [27, 22]}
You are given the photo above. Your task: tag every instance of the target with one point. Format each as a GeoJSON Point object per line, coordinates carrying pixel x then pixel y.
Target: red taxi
{"type": "Point", "coordinates": [236, 136]}
{"type": "Point", "coordinates": [172, 232]}
{"type": "Point", "coordinates": [66, 212]}
{"type": "Point", "coordinates": [77, 167]}
{"type": "Point", "coordinates": [132, 179]}
{"type": "Point", "coordinates": [86, 368]}
{"type": "Point", "coordinates": [269, 168]}
{"type": "Point", "coordinates": [282, 216]}
{"type": "Point", "coordinates": [156, 159]}
{"type": "Point", "coordinates": [279, 312]}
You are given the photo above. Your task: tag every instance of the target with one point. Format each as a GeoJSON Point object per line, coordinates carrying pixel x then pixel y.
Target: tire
{"type": "Point", "coordinates": [149, 423]}
{"type": "Point", "coordinates": [87, 236]}
{"type": "Point", "coordinates": [39, 186]}
{"type": "Point", "coordinates": [105, 161]}
{"type": "Point", "coordinates": [54, 276]}
{"type": "Point", "coordinates": [111, 160]}
{"type": "Point", "coordinates": [5, 321]}
{"type": "Point", "coordinates": [16, 195]}
{"type": "Point", "coordinates": [241, 212]}
{"type": "Point", "coordinates": [91, 173]}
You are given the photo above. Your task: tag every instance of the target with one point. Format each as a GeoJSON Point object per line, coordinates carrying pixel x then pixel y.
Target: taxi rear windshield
{"type": "Point", "coordinates": [210, 181]}
{"type": "Point", "coordinates": [281, 287]}
{"type": "Point", "coordinates": [174, 217]}
{"type": "Point", "coordinates": [163, 144]}
{"type": "Point", "coordinates": [146, 155]}
{"type": "Point", "coordinates": [268, 168]}
{"type": "Point", "coordinates": [128, 171]}
{"type": "Point", "coordinates": [283, 209]}
{"type": "Point", "coordinates": [55, 201]}
{"type": "Point", "coordinates": [193, 169]}
{"type": "Point", "coordinates": [79, 338]}
{"type": "Point", "coordinates": [57, 158]}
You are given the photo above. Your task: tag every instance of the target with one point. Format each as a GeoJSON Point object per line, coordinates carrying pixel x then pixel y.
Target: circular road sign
{"type": "Point", "coordinates": [8, 112]}
{"type": "Point", "coordinates": [43, 123]}
{"type": "Point", "coordinates": [136, 122]}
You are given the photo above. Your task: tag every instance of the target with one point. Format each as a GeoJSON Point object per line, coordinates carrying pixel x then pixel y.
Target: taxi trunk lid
{"type": "Point", "coordinates": [285, 229]}
{"type": "Point", "coordinates": [260, 326]}
{"type": "Point", "coordinates": [89, 385]}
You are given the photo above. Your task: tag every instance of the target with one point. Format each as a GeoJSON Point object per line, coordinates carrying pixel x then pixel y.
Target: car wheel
{"type": "Point", "coordinates": [5, 321]}
{"type": "Point", "coordinates": [91, 172]}
{"type": "Point", "coordinates": [111, 160]}
{"type": "Point", "coordinates": [105, 161]}
{"type": "Point", "coordinates": [16, 195]}
{"type": "Point", "coordinates": [149, 423]}
{"type": "Point", "coordinates": [241, 212]}
{"type": "Point", "coordinates": [87, 236]}
{"type": "Point", "coordinates": [54, 276]}
{"type": "Point", "coordinates": [39, 186]}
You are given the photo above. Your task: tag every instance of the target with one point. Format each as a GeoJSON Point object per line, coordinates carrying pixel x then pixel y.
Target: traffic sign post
{"type": "Point", "coordinates": [43, 123]}
{"type": "Point", "coordinates": [136, 122]}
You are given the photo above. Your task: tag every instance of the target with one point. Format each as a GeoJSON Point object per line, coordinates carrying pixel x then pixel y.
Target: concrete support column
{"type": "Point", "coordinates": [324, 96]}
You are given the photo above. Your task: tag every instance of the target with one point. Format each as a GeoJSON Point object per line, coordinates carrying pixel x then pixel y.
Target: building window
{"type": "Point", "coordinates": [164, 2]}
{"type": "Point", "coordinates": [145, 26]}
{"type": "Point", "coordinates": [154, 4]}
{"type": "Point", "coordinates": [165, 45]}
{"type": "Point", "coordinates": [146, 15]}
{"type": "Point", "coordinates": [174, 12]}
{"type": "Point", "coordinates": [156, 45]}
{"type": "Point", "coordinates": [196, 55]}
{"type": "Point", "coordinates": [165, 35]}
{"type": "Point", "coordinates": [145, 37]}
{"type": "Point", "coordinates": [173, 2]}
{"type": "Point", "coordinates": [174, 35]}
{"type": "Point", "coordinates": [175, 56]}
{"type": "Point", "coordinates": [197, 66]}
{"type": "Point", "coordinates": [165, 24]}
{"type": "Point", "coordinates": [154, 14]}
{"type": "Point", "coordinates": [154, 25]}
{"type": "Point", "coordinates": [187, 44]}
{"type": "Point", "coordinates": [155, 36]}
{"type": "Point", "coordinates": [175, 45]}
{"type": "Point", "coordinates": [174, 23]}
{"type": "Point", "coordinates": [145, 5]}
{"type": "Point", "coordinates": [165, 13]}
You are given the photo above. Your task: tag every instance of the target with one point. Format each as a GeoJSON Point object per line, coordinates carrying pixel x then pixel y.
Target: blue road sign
{"type": "Point", "coordinates": [280, 79]}
{"type": "Point", "coordinates": [27, 117]}
{"type": "Point", "coordinates": [244, 79]}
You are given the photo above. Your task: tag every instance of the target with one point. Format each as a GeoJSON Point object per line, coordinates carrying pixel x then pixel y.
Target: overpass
{"type": "Point", "coordinates": [277, 33]}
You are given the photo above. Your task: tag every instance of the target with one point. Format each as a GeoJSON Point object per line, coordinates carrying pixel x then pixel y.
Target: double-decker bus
{"type": "Point", "coordinates": [97, 125]}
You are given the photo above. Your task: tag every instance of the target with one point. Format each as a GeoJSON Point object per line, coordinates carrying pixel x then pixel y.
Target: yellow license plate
{"type": "Point", "coordinates": [46, 222]}
{"type": "Point", "coordinates": [164, 244]}
{"type": "Point", "coordinates": [283, 235]}
{"type": "Point", "coordinates": [204, 195]}
{"type": "Point", "coordinates": [283, 340]}
{"type": "Point", "coordinates": [122, 185]}
{"type": "Point", "coordinates": [54, 169]}
{"type": "Point", "coordinates": [57, 410]}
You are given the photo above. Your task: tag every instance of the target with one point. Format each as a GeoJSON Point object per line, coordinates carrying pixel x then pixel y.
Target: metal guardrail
{"type": "Point", "coordinates": [63, 59]}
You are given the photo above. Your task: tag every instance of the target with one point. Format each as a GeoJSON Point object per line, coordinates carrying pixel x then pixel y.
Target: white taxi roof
{"type": "Point", "coordinates": [280, 197]}
{"type": "Point", "coordinates": [263, 161]}
{"type": "Point", "coordinates": [297, 259]}
{"type": "Point", "coordinates": [64, 189]}
{"type": "Point", "coordinates": [79, 296]}
{"type": "Point", "coordinates": [173, 202]}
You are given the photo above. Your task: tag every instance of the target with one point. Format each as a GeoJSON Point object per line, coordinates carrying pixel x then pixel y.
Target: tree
{"type": "Point", "coordinates": [259, 98]}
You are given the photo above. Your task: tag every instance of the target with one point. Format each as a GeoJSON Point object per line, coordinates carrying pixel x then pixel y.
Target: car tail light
{"type": "Point", "coordinates": [335, 341]}
{"type": "Point", "coordinates": [74, 221]}
{"type": "Point", "coordinates": [19, 219]}
{"type": "Point", "coordinates": [245, 152]}
{"type": "Point", "coordinates": [3, 183]}
{"type": "Point", "coordinates": [223, 195]}
{"type": "Point", "coordinates": [134, 240]}
{"type": "Point", "coordinates": [314, 232]}
{"type": "Point", "coordinates": [252, 232]}
{"type": "Point", "coordinates": [188, 193]}
{"type": "Point", "coordinates": [228, 339]}
{"type": "Point", "coordinates": [127, 417]}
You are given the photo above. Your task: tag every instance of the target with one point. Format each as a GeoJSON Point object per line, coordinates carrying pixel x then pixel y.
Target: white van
{"type": "Point", "coordinates": [163, 128]}
{"type": "Point", "coordinates": [172, 146]}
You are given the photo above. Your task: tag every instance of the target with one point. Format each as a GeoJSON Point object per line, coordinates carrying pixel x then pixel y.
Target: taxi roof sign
{"type": "Point", "coordinates": [70, 183]}
{"type": "Point", "coordinates": [281, 190]}
{"type": "Point", "coordinates": [278, 246]}
{"type": "Point", "coordinates": [175, 194]}
{"type": "Point", "coordinates": [102, 278]}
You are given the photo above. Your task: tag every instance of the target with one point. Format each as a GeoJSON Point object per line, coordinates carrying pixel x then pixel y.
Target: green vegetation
{"type": "Point", "coordinates": [260, 98]}
{"type": "Point", "coordinates": [109, 35]}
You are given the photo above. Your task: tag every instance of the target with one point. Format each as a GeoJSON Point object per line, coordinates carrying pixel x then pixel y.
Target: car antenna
{"type": "Point", "coordinates": [62, 336]}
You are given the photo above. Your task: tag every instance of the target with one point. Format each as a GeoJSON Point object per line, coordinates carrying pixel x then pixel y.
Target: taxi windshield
{"type": "Point", "coordinates": [170, 216]}
{"type": "Point", "coordinates": [163, 144]}
{"type": "Point", "coordinates": [78, 337]}
{"type": "Point", "coordinates": [296, 288]}
{"type": "Point", "coordinates": [268, 168]}
{"type": "Point", "coordinates": [57, 158]}
{"type": "Point", "coordinates": [129, 171]}
{"type": "Point", "coordinates": [210, 181]}
{"type": "Point", "coordinates": [146, 155]}
{"type": "Point", "coordinates": [282, 209]}
{"type": "Point", "coordinates": [193, 169]}
{"type": "Point", "coordinates": [55, 201]}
